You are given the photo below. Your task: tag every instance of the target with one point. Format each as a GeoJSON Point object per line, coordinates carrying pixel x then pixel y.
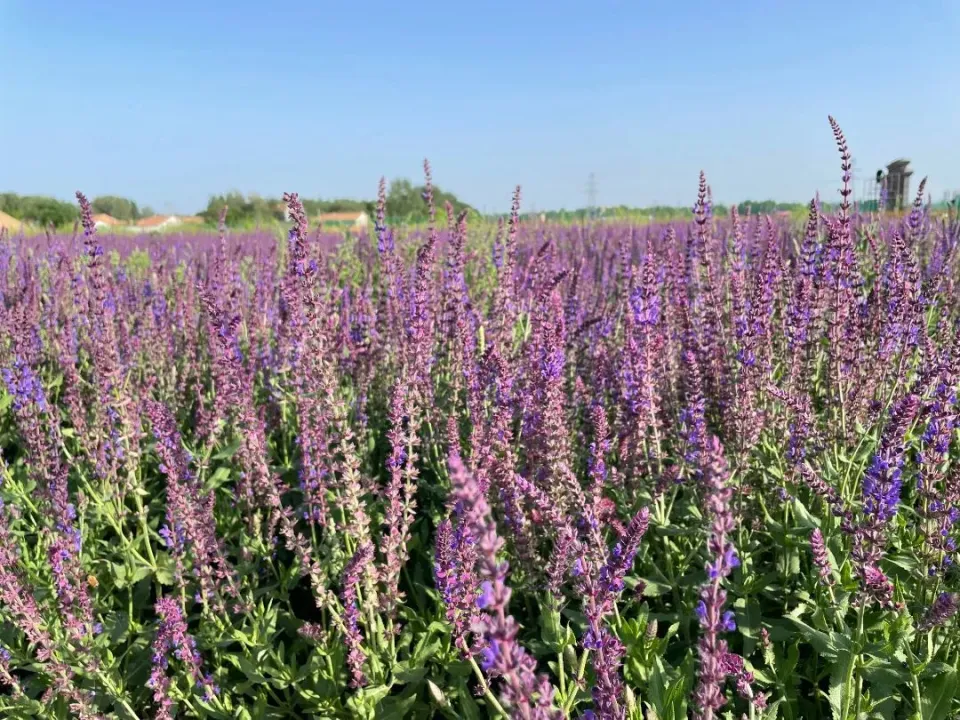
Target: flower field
{"type": "Point", "coordinates": [705, 469]}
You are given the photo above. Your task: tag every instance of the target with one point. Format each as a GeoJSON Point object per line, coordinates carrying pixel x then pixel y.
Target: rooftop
{"type": "Point", "coordinates": [341, 216]}
{"type": "Point", "coordinates": [154, 221]}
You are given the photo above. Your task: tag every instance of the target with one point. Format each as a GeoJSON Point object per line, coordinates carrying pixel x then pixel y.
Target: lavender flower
{"type": "Point", "coordinates": [522, 692]}
{"type": "Point", "coordinates": [173, 641]}
{"type": "Point", "coordinates": [940, 612]}
{"type": "Point", "coordinates": [600, 588]}
{"type": "Point", "coordinates": [818, 549]}
{"type": "Point", "coordinates": [353, 637]}
{"type": "Point", "coordinates": [714, 620]}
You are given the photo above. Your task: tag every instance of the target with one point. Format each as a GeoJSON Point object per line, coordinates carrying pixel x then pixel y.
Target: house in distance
{"type": "Point", "coordinates": [102, 221]}
{"type": "Point", "coordinates": [352, 221]}
{"type": "Point", "coordinates": [157, 223]}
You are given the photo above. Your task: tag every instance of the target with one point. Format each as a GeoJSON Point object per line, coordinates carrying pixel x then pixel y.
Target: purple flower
{"type": "Point", "coordinates": [942, 609]}
{"type": "Point", "coordinates": [818, 549]}
{"type": "Point", "coordinates": [352, 576]}
{"type": "Point", "coordinates": [522, 692]}
{"type": "Point", "coordinates": [712, 650]}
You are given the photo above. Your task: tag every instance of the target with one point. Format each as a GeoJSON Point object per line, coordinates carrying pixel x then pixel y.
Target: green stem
{"type": "Point", "coordinates": [487, 693]}
{"type": "Point", "coordinates": [563, 675]}
{"type": "Point", "coordinates": [854, 661]}
{"type": "Point", "coordinates": [581, 671]}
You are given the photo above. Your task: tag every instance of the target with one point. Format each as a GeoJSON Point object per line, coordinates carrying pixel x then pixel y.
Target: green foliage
{"type": "Point", "coordinates": [244, 211]}
{"type": "Point", "coordinates": [405, 202]}
{"type": "Point", "coordinates": [38, 209]}
{"type": "Point", "coordinates": [404, 205]}
{"type": "Point", "coordinates": [118, 207]}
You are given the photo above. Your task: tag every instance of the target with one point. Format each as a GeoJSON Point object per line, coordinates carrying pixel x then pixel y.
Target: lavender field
{"type": "Point", "coordinates": [705, 469]}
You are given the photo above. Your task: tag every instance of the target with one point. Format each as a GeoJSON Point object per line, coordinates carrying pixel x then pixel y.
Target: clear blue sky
{"type": "Point", "coordinates": [169, 102]}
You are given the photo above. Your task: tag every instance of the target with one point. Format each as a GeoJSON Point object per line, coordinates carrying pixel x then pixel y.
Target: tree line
{"type": "Point", "coordinates": [43, 210]}
{"type": "Point", "coordinates": [405, 203]}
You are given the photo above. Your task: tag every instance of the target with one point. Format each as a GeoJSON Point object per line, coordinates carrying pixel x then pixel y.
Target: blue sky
{"type": "Point", "coordinates": [170, 102]}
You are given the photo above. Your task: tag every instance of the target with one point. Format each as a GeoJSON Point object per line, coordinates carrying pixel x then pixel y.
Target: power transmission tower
{"type": "Point", "coordinates": [591, 195]}
{"type": "Point", "coordinates": [854, 171]}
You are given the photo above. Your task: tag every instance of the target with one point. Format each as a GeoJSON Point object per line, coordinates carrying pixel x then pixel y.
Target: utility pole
{"type": "Point", "coordinates": [591, 195]}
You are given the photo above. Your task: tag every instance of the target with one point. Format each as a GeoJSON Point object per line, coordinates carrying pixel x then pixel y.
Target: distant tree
{"type": "Point", "coordinates": [38, 209]}
{"type": "Point", "coordinates": [405, 201]}
{"type": "Point", "coordinates": [244, 211]}
{"type": "Point", "coordinates": [11, 204]}
{"type": "Point", "coordinates": [46, 210]}
{"type": "Point", "coordinates": [119, 207]}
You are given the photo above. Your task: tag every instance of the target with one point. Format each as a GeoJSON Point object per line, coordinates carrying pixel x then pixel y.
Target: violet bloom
{"type": "Point", "coordinates": [881, 499]}
{"type": "Point", "coordinates": [6, 677]}
{"type": "Point", "coordinates": [600, 588]}
{"type": "Point", "coordinates": [456, 579]}
{"type": "Point", "coordinates": [693, 422]}
{"type": "Point", "coordinates": [522, 692]}
{"type": "Point", "coordinates": [714, 620]}
{"type": "Point", "coordinates": [190, 522]}
{"type": "Point", "coordinates": [400, 493]}
{"type": "Point", "coordinates": [352, 576]}
{"type": "Point", "coordinates": [942, 609]}
{"type": "Point", "coordinates": [821, 560]}
{"type": "Point", "coordinates": [174, 641]}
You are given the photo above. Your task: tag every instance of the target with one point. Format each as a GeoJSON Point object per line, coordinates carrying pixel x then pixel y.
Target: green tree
{"type": "Point", "coordinates": [11, 204]}
{"type": "Point", "coordinates": [405, 201]}
{"type": "Point", "coordinates": [243, 211]}
{"type": "Point", "coordinates": [119, 207]}
{"type": "Point", "coordinates": [46, 210]}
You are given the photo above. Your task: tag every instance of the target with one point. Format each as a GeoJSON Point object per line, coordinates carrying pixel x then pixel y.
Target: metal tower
{"type": "Point", "coordinates": [591, 195]}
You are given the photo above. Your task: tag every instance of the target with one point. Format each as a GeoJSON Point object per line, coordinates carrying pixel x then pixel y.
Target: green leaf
{"type": "Point", "coordinates": [829, 645]}
{"type": "Point", "coordinates": [120, 576]}
{"type": "Point", "coordinates": [250, 670]}
{"type": "Point", "coordinates": [219, 477]}
{"type": "Point", "coordinates": [468, 707]}
{"type": "Point", "coordinates": [804, 519]}
{"type": "Point", "coordinates": [937, 696]}
{"type": "Point", "coordinates": [140, 573]}
{"type": "Point", "coordinates": [229, 451]}
{"type": "Point", "coordinates": [839, 695]}
{"type": "Point", "coordinates": [882, 672]}
{"type": "Point", "coordinates": [118, 627]}
{"type": "Point", "coordinates": [749, 623]}
{"type": "Point", "coordinates": [656, 690]}
{"type": "Point", "coordinates": [397, 708]}
{"type": "Point", "coordinates": [123, 712]}
{"type": "Point", "coordinates": [413, 675]}
{"type": "Point", "coordinates": [550, 627]}
{"type": "Point", "coordinates": [165, 569]}
{"type": "Point", "coordinates": [652, 588]}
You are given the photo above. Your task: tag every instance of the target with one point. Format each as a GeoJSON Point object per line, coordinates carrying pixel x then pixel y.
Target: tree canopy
{"type": "Point", "coordinates": [38, 209]}
{"type": "Point", "coordinates": [405, 203]}
{"type": "Point", "coordinates": [120, 208]}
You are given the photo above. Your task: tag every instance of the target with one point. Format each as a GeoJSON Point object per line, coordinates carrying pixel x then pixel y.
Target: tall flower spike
{"type": "Point", "coordinates": [714, 620]}
{"type": "Point", "coordinates": [86, 215]}
{"type": "Point", "coordinates": [523, 693]}
{"type": "Point", "coordinates": [352, 576]}
{"type": "Point", "coordinates": [818, 548]}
